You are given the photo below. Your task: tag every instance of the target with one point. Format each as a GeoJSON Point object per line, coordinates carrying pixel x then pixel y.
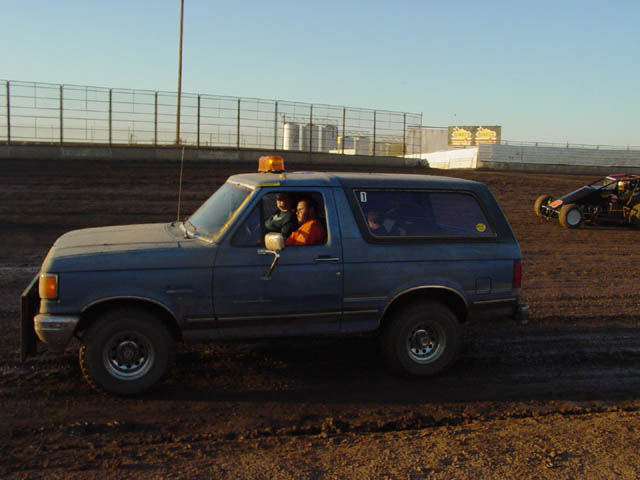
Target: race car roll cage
{"type": "Point", "coordinates": [591, 211]}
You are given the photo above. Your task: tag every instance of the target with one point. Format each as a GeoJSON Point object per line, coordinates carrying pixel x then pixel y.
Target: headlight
{"type": "Point", "coordinates": [48, 286]}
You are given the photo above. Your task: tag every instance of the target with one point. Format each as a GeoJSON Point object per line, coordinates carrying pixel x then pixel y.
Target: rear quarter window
{"type": "Point", "coordinates": [422, 214]}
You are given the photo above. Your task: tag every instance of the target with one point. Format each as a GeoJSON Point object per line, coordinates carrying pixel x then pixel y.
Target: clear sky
{"type": "Point", "coordinates": [553, 71]}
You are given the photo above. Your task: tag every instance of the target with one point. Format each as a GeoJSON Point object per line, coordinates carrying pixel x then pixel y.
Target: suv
{"type": "Point", "coordinates": [410, 256]}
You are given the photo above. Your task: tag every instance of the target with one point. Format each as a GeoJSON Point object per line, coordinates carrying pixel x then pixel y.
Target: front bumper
{"type": "Point", "coordinates": [547, 211]}
{"type": "Point", "coordinates": [55, 330]}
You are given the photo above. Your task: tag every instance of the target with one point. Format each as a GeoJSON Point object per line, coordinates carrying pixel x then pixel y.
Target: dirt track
{"type": "Point", "coordinates": [559, 398]}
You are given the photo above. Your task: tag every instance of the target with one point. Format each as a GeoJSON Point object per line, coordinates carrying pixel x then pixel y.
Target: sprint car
{"type": "Point", "coordinates": [611, 199]}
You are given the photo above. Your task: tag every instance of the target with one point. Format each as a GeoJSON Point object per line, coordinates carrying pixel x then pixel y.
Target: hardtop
{"type": "Point", "coordinates": [354, 179]}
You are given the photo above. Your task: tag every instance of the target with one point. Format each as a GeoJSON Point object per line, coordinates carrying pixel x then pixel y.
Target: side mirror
{"type": "Point", "coordinates": [274, 241]}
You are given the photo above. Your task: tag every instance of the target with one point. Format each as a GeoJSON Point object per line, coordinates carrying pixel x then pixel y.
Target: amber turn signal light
{"type": "Point", "coordinates": [48, 286]}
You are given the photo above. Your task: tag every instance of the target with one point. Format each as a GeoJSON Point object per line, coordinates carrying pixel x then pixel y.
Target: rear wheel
{"type": "Point", "coordinates": [541, 200]}
{"type": "Point", "coordinates": [423, 339]}
{"type": "Point", "coordinates": [126, 352]}
{"type": "Point", "coordinates": [634, 216]}
{"type": "Point", "coordinates": [570, 216]}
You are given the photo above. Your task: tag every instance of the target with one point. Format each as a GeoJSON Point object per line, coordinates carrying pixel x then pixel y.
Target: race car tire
{"type": "Point", "coordinates": [634, 216]}
{"type": "Point", "coordinates": [541, 200]}
{"type": "Point", "coordinates": [570, 216]}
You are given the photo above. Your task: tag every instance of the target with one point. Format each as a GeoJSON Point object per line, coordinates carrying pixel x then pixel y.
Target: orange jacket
{"type": "Point", "coordinates": [310, 232]}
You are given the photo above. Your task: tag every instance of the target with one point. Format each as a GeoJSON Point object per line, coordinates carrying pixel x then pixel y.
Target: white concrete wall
{"type": "Point", "coordinates": [557, 158]}
{"type": "Point", "coordinates": [449, 159]}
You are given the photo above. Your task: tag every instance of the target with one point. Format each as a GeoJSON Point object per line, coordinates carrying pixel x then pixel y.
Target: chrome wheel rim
{"type": "Point", "coordinates": [574, 217]}
{"type": "Point", "coordinates": [426, 343]}
{"type": "Point", "coordinates": [128, 355]}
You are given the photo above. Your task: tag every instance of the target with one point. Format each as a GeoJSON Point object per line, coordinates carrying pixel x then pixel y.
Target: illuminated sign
{"type": "Point", "coordinates": [474, 135]}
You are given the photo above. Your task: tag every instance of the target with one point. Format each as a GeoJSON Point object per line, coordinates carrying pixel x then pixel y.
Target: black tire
{"type": "Point", "coordinates": [570, 216]}
{"type": "Point", "coordinates": [634, 216]}
{"type": "Point", "coordinates": [422, 339]}
{"type": "Point", "coordinates": [541, 200]}
{"type": "Point", "coordinates": [126, 351]}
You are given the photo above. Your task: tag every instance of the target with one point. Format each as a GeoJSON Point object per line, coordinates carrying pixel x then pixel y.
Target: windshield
{"type": "Point", "coordinates": [214, 214]}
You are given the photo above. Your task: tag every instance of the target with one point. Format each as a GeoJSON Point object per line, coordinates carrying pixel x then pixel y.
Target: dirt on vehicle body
{"type": "Point", "coordinates": [555, 399]}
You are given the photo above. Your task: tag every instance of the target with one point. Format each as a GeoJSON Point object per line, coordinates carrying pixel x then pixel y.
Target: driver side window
{"type": "Point", "coordinates": [250, 233]}
{"type": "Point", "coordinates": [277, 212]}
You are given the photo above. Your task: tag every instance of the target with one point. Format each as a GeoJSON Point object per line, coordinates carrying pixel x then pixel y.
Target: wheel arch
{"type": "Point", "coordinates": [92, 312]}
{"type": "Point", "coordinates": [447, 296]}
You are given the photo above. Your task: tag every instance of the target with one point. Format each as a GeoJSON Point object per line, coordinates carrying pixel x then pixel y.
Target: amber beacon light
{"type": "Point", "coordinates": [271, 163]}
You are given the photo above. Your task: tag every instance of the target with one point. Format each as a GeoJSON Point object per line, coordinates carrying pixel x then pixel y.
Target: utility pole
{"type": "Point", "coordinates": [179, 75]}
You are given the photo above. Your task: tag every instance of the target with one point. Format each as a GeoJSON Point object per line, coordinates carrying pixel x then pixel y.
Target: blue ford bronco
{"type": "Point", "coordinates": [409, 256]}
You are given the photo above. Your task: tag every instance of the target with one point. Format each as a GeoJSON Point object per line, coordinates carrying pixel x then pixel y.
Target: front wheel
{"type": "Point", "coordinates": [540, 201]}
{"type": "Point", "coordinates": [126, 352]}
{"type": "Point", "coordinates": [423, 339]}
{"type": "Point", "coordinates": [570, 216]}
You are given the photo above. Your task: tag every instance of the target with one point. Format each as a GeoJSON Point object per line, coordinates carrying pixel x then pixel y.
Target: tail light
{"type": "Point", "coordinates": [517, 275]}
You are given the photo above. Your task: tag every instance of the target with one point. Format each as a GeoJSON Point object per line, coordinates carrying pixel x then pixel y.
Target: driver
{"type": "Point", "coordinates": [311, 231]}
{"type": "Point", "coordinates": [624, 191]}
{"type": "Point", "coordinates": [284, 220]}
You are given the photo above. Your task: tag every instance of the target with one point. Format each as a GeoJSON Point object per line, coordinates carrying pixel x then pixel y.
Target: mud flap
{"type": "Point", "coordinates": [30, 305]}
{"type": "Point", "coordinates": [522, 315]}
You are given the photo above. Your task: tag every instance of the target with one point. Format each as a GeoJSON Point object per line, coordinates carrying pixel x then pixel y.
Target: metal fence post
{"type": "Point", "coordinates": [275, 128]}
{"type": "Point", "coordinates": [61, 116]}
{"type": "Point", "coordinates": [8, 113]}
{"type": "Point", "coordinates": [310, 128]}
{"type": "Point", "coordinates": [110, 116]}
{"type": "Point", "coordinates": [422, 135]}
{"type": "Point", "coordinates": [238, 130]}
{"type": "Point", "coordinates": [155, 119]}
{"type": "Point", "coordinates": [374, 133]}
{"type": "Point", "coordinates": [404, 134]}
{"type": "Point", "coordinates": [344, 121]}
{"type": "Point", "coordinates": [198, 139]}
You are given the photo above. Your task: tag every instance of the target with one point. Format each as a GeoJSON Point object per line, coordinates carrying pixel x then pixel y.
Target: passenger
{"type": "Point", "coordinates": [383, 226]}
{"type": "Point", "coordinates": [284, 220]}
{"type": "Point", "coordinates": [374, 221]}
{"type": "Point", "coordinates": [310, 231]}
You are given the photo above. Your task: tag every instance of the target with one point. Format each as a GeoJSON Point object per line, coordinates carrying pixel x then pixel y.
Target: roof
{"type": "Point", "coordinates": [351, 180]}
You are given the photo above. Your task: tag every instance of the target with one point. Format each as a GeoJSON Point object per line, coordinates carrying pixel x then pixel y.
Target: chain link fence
{"type": "Point", "coordinates": [65, 114]}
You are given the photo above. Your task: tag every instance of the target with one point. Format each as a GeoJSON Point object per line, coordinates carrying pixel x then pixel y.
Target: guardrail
{"type": "Point", "coordinates": [62, 114]}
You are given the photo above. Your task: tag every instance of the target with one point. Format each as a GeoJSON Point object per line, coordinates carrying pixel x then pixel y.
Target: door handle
{"type": "Point", "coordinates": [327, 258]}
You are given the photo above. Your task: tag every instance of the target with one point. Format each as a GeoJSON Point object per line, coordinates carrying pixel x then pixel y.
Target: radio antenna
{"type": "Point", "coordinates": [180, 184]}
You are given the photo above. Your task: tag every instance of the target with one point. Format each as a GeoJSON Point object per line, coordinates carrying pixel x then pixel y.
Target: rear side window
{"type": "Point", "coordinates": [422, 214]}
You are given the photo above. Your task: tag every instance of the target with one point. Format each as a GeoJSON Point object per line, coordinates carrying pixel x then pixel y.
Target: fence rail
{"type": "Point", "coordinates": [520, 143]}
{"type": "Point", "coordinates": [61, 114]}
